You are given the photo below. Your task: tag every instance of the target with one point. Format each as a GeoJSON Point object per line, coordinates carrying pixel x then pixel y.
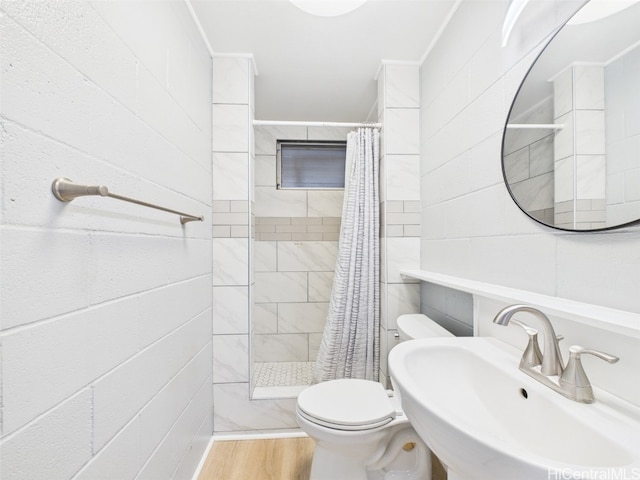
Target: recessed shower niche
{"type": "Point", "coordinates": [295, 250]}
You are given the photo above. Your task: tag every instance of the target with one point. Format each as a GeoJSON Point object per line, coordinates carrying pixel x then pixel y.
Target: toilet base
{"type": "Point", "coordinates": [391, 462]}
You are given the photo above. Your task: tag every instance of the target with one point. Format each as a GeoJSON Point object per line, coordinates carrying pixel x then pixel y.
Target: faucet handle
{"type": "Point", "coordinates": [574, 379]}
{"type": "Point", "coordinates": [532, 356]}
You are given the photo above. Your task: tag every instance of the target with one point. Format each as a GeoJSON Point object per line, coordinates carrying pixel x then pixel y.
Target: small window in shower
{"type": "Point", "coordinates": [310, 165]}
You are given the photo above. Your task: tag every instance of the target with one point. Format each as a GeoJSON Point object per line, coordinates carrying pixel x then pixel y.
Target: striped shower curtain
{"type": "Point", "coordinates": [350, 346]}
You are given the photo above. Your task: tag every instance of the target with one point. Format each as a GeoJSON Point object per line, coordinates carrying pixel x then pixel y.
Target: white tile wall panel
{"type": "Point", "coordinates": [281, 287]}
{"type": "Point", "coordinates": [231, 80]}
{"type": "Point", "coordinates": [403, 132]}
{"type": "Point", "coordinates": [266, 137]}
{"type": "Point", "coordinates": [325, 203]}
{"type": "Point", "coordinates": [302, 317]}
{"type": "Point", "coordinates": [230, 358]}
{"type": "Point", "coordinates": [230, 178]}
{"type": "Point", "coordinates": [401, 253]}
{"type": "Point", "coordinates": [265, 175]}
{"type": "Point", "coordinates": [230, 310]}
{"type": "Point", "coordinates": [402, 177]}
{"type": "Point", "coordinates": [402, 86]}
{"type": "Point", "coordinates": [307, 256]}
{"type": "Point", "coordinates": [280, 203]}
{"type": "Point", "coordinates": [234, 410]}
{"type": "Point", "coordinates": [230, 128]}
{"type": "Point", "coordinates": [231, 266]}
{"type": "Point", "coordinates": [320, 285]}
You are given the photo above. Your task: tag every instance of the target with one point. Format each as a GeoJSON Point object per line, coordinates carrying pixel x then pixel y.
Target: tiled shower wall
{"type": "Point", "coordinates": [295, 253]}
{"type": "Point", "coordinates": [106, 306]}
{"type": "Point", "coordinates": [398, 110]}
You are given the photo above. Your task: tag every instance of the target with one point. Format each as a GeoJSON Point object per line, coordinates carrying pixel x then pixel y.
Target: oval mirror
{"type": "Point", "coordinates": [571, 145]}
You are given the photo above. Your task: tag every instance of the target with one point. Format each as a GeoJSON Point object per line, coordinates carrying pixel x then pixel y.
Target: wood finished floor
{"type": "Point", "coordinates": [268, 459]}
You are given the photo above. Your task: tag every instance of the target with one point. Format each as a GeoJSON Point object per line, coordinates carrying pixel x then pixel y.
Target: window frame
{"type": "Point", "coordinates": [279, 143]}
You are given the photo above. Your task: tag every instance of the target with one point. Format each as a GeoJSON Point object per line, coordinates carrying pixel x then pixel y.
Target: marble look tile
{"type": "Point", "coordinates": [402, 86]}
{"type": "Point", "coordinates": [328, 133]}
{"type": "Point", "coordinates": [230, 261]}
{"type": "Point", "coordinates": [281, 287]}
{"type": "Point", "coordinates": [590, 132]}
{"type": "Point", "coordinates": [267, 137]}
{"type": "Point", "coordinates": [563, 180]}
{"type": "Point", "coordinates": [291, 347]}
{"type": "Point", "coordinates": [307, 256]}
{"type": "Point", "coordinates": [265, 256]}
{"type": "Point", "coordinates": [271, 202]}
{"type": "Point", "coordinates": [401, 253]}
{"type": "Point", "coordinates": [591, 176]}
{"type": "Point", "coordinates": [320, 285]}
{"type": "Point", "coordinates": [265, 318]}
{"type": "Point", "coordinates": [230, 128]}
{"type": "Point", "coordinates": [265, 175]}
{"type": "Point", "coordinates": [563, 94]}
{"type": "Point", "coordinates": [401, 298]}
{"type": "Point", "coordinates": [236, 412]}
{"type": "Point", "coordinates": [541, 156]}
{"type": "Point", "coordinates": [589, 87]}
{"type": "Point", "coordinates": [230, 82]}
{"type": "Point", "coordinates": [325, 203]}
{"type": "Point", "coordinates": [230, 176]}
{"type": "Point", "coordinates": [402, 131]}
{"type": "Point", "coordinates": [230, 358]}
{"type": "Point", "coordinates": [302, 317]}
{"type": "Point", "coordinates": [563, 140]}
{"type": "Point", "coordinates": [403, 177]}
{"type": "Point", "coordinates": [535, 193]}
{"type": "Point", "coordinates": [230, 310]}
{"type": "Point", "coordinates": [314, 345]}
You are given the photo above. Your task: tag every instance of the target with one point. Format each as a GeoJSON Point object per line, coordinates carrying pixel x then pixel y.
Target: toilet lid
{"type": "Point", "coordinates": [347, 403]}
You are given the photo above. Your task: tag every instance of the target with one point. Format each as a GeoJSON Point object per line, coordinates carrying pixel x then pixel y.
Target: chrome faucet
{"type": "Point", "coordinates": [547, 366]}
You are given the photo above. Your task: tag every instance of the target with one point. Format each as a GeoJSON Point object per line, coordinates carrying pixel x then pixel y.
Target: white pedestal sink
{"type": "Point", "coordinates": [487, 420]}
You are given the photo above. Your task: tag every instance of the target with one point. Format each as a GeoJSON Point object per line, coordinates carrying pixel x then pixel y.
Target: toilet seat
{"type": "Point", "coordinates": [347, 404]}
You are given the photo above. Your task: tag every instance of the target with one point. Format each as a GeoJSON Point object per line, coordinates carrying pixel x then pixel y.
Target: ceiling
{"type": "Point", "coordinates": [320, 68]}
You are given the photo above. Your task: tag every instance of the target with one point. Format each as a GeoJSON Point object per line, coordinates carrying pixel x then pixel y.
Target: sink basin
{"type": "Point", "coordinates": [485, 419]}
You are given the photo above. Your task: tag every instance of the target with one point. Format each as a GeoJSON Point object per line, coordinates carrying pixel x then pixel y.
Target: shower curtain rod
{"type": "Point", "coordinates": [315, 124]}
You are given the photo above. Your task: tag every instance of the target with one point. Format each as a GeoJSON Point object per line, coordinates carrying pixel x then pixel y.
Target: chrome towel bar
{"type": "Point", "coordinates": [65, 191]}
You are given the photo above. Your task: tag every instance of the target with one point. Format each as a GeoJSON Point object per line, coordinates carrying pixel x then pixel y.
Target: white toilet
{"type": "Point", "coordinates": [359, 428]}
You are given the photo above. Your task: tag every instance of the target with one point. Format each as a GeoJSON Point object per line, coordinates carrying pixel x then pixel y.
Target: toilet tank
{"type": "Point", "coordinates": [417, 325]}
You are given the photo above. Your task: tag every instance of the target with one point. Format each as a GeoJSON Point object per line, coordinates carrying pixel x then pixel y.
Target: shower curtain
{"type": "Point", "coordinates": [350, 346]}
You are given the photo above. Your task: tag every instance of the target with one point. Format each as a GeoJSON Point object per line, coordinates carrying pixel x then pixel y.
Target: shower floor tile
{"type": "Point", "coordinates": [281, 379]}
{"type": "Point", "coordinates": [282, 374]}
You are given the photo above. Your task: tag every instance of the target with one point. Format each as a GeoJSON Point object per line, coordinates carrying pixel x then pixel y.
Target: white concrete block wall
{"type": "Point", "coordinates": [467, 84]}
{"type": "Point", "coordinates": [106, 355]}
